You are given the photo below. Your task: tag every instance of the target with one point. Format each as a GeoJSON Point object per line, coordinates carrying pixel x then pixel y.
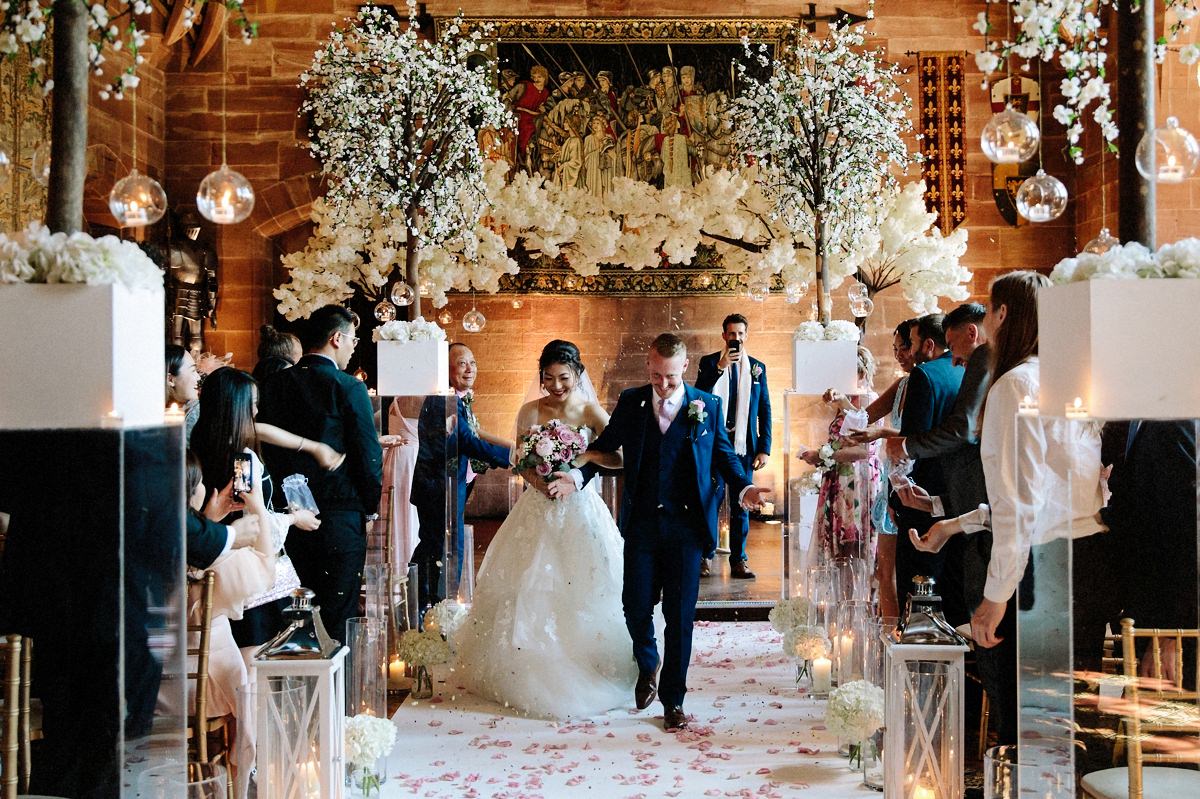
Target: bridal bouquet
{"type": "Point", "coordinates": [549, 448]}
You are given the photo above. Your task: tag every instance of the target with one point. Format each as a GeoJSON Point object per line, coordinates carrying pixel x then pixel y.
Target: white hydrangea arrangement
{"type": "Point", "coordinates": [35, 255]}
{"type": "Point", "coordinates": [806, 642]}
{"type": "Point", "coordinates": [423, 648]}
{"type": "Point", "coordinates": [416, 330]}
{"type": "Point", "coordinates": [788, 614]}
{"type": "Point", "coordinates": [368, 738]}
{"type": "Point", "coordinates": [855, 710]}
{"type": "Point", "coordinates": [445, 618]}
{"type": "Point", "coordinates": [1132, 261]}
{"type": "Point", "coordinates": [835, 330]}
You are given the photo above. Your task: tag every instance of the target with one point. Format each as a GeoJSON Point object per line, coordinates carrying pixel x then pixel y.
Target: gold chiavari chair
{"type": "Point", "coordinates": [11, 716]}
{"type": "Point", "coordinates": [31, 713]}
{"type": "Point", "coordinates": [379, 532]}
{"type": "Point", "coordinates": [200, 727]}
{"type": "Point", "coordinates": [1160, 717]}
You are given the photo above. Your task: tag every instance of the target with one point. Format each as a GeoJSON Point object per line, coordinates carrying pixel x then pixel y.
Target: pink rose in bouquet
{"type": "Point", "coordinates": [550, 448]}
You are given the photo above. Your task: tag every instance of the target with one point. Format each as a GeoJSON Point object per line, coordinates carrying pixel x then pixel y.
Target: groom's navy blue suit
{"type": "Point", "coordinates": [668, 519]}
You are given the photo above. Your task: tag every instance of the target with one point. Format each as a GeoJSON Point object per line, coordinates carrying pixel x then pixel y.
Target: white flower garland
{"type": "Point", "coordinates": [35, 255]}
{"type": "Point", "coordinates": [855, 710]}
{"type": "Point", "coordinates": [1132, 261]}
{"type": "Point", "coordinates": [25, 23]}
{"type": "Point", "coordinates": [416, 330]}
{"type": "Point", "coordinates": [1068, 30]}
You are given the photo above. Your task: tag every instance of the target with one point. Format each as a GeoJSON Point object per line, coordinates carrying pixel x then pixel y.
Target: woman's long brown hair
{"type": "Point", "coordinates": [226, 425]}
{"type": "Point", "coordinates": [1017, 338]}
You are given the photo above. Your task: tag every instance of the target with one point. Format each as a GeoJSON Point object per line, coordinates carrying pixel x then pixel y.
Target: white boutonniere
{"type": "Point", "coordinates": [696, 411]}
{"type": "Point", "coordinates": [756, 371]}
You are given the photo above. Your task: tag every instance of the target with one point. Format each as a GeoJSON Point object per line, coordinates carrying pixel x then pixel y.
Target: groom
{"type": "Point", "coordinates": [675, 446]}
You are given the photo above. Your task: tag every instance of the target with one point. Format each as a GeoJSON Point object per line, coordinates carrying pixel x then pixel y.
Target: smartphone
{"type": "Point", "coordinates": [735, 346]}
{"type": "Point", "coordinates": [243, 474]}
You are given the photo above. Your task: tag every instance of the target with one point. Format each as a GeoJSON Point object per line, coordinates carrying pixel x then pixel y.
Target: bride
{"type": "Point", "coordinates": [546, 634]}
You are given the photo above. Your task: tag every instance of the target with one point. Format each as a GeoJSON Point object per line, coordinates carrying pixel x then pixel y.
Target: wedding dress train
{"type": "Point", "coordinates": [546, 633]}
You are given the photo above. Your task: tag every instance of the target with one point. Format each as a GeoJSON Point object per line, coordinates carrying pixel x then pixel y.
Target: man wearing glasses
{"type": "Point", "coordinates": [316, 399]}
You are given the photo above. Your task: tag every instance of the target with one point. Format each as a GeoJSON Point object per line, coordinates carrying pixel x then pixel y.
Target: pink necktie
{"type": "Point", "coordinates": [664, 419]}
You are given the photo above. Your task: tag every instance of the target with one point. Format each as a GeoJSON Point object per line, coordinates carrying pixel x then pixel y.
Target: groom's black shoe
{"type": "Point", "coordinates": [674, 719]}
{"type": "Point", "coordinates": [645, 690]}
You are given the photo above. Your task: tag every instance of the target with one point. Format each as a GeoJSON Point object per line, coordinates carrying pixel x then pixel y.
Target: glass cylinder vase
{"type": "Point", "coordinates": [366, 693]}
{"type": "Point", "coordinates": [422, 686]}
{"type": "Point", "coordinates": [854, 630]}
{"type": "Point", "coordinates": [872, 762]}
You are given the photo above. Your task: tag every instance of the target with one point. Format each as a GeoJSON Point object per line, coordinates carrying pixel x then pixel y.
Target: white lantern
{"type": "Point", "coordinates": [301, 691]}
{"type": "Point", "coordinates": [923, 740]}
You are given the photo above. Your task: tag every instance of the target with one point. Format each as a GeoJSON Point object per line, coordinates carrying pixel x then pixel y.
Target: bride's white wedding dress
{"type": "Point", "coordinates": [546, 632]}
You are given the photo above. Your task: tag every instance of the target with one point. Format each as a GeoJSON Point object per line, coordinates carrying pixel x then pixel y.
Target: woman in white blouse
{"type": "Point", "coordinates": [1042, 475]}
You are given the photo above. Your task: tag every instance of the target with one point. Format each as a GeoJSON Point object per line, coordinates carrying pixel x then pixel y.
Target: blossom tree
{"type": "Point", "coordinates": [903, 247]}
{"type": "Point", "coordinates": [826, 128]}
{"type": "Point", "coordinates": [395, 124]}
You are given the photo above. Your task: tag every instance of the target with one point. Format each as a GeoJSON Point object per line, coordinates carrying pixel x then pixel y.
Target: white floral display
{"type": "Point", "coordinates": [445, 618]}
{"type": "Point", "coordinates": [396, 119]}
{"type": "Point", "coordinates": [827, 129]}
{"type": "Point", "coordinates": [1132, 261]}
{"type": "Point", "coordinates": [1068, 31]}
{"type": "Point", "coordinates": [423, 648]}
{"type": "Point", "coordinates": [855, 710]}
{"type": "Point", "coordinates": [368, 738]}
{"type": "Point", "coordinates": [806, 642]}
{"type": "Point", "coordinates": [903, 246]}
{"type": "Point", "coordinates": [789, 614]}
{"type": "Point", "coordinates": [25, 24]}
{"type": "Point", "coordinates": [35, 255]}
{"type": "Point", "coordinates": [416, 330]}
{"type": "Point", "coordinates": [836, 330]}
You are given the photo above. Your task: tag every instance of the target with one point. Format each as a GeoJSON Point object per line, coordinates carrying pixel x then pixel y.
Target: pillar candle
{"type": "Point", "coordinates": [822, 676]}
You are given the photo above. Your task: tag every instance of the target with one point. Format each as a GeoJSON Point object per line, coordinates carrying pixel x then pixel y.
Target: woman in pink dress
{"type": "Point", "coordinates": [399, 459]}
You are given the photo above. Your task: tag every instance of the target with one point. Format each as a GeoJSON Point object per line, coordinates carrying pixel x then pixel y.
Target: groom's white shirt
{"type": "Point", "coordinates": [672, 405]}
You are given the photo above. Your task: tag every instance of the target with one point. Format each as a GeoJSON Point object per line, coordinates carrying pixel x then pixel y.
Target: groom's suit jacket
{"type": "Point", "coordinates": [684, 467]}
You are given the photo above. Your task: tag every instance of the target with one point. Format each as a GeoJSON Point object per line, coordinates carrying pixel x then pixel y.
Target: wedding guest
{"type": "Point", "coordinates": [183, 386]}
{"type": "Point", "coordinates": [929, 397]}
{"type": "Point", "coordinates": [319, 401]}
{"type": "Point", "coordinates": [399, 461]}
{"type": "Point", "coordinates": [276, 351]}
{"type": "Point", "coordinates": [956, 442]}
{"type": "Point", "coordinates": [741, 383]}
{"type": "Point", "coordinates": [470, 449]}
{"type": "Point", "coordinates": [891, 402]}
{"type": "Point", "coordinates": [225, 431]}
{"type": "Point", "coordinates": [1054, 494]}
{"type": "Point", "coordinates": [239, 575]}
{"type": "Point", "coordinates": [1153, 518]}
{"type": "Point", "coordinates": [851, 503]}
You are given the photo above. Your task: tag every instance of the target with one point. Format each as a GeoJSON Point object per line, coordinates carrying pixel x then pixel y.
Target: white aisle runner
{"type": "Point", "coordinates": [752, 735]}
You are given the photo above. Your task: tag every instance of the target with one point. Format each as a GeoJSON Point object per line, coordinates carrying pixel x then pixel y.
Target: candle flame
{"type": "Point", "coordinates": [1078, 403]}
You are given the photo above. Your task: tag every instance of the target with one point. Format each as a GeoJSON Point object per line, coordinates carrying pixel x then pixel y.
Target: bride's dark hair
{"type": "Point", "coordinates": [559, 351]}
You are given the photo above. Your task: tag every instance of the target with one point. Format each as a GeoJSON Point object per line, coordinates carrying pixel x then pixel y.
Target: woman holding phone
{"type": "Point", "coordinates": [226, 437]}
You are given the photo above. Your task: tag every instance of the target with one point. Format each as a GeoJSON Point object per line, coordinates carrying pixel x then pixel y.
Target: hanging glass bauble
{"type": "Point", "coordinates": [6, 166]}
{"type": "Point", "coordinates": [518, 304]}
{"type": "Point", "coordinates": [403, 294]}
{"type": "Point", "coordinates": [361, 375]}
{"type": "Point", "coordinates": [425, 287]}
{"type": "Point", "coordinates": [1010, 137]}
{"type": "Point", "coordinates": [758, 293]}
{"type": "Point", "coordinates": [385, 311]}
{"type": "Point", "coordinates": [1102, 243]}
{"type": "Point", "coordinates": [861, 307]}
{"type": "Point", "coordinates": [473, 321]}
{"type": "Point", "coordinates": [858, 292]}
{"type": "Point", "coordinates": [39, 167]}
{"type": "Point", "coordinates": [794, 292]}
{"type": "Point", "coordinates": [445, 318]}
{"type": "Point", "coordinates": [137, 200]}
{"type": "Point", "coordinates": [1042, 198]}
{"type": "Point", "coordinates": [225, 197]}
{"type": "Point", "coordinates": [1168, 154]}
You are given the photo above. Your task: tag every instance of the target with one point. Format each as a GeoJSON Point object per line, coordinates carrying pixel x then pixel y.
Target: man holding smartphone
{"type": "Point", "coordinates": [741, 382]}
